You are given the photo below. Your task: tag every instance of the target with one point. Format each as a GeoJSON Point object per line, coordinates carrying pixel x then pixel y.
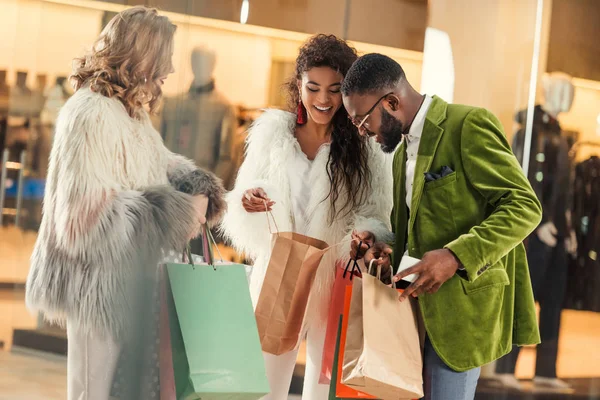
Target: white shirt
{"type": "Point", "coordinates": [413, 139]}
{"type": "Point", "coordinates": [299, 170]}
{"type": "Point", "coordinates": [412, 148]}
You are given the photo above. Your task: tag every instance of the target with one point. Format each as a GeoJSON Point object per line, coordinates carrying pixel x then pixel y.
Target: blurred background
{"type": "Point", "coordinates": [232, 57]}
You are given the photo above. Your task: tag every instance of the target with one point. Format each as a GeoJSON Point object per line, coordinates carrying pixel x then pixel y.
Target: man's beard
{"type": "Point", "coordinates": [390, 131]}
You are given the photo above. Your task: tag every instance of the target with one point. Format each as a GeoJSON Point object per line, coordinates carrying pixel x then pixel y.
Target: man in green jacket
{"type": "Point", "coordinates": [463, 206]}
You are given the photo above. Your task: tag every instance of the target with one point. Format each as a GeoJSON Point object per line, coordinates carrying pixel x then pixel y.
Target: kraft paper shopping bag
{"type": "Point", "coordinates": [382, 351]}
{"type": "Point", "coordinates": [287, 284]}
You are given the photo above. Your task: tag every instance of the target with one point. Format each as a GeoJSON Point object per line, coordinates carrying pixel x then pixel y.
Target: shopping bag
{"type": "Point", "coordinates": [382, 354]}
{"type": "Point", "coordinates": [343, 391]}
{"type": "Point", "coordinates": [287, 284]}
{"type": "Point", "coordinates": [335, 382]}
{"type": "Point", "coordinates": [343, 278]}
{"type": "Point", "coordinates": [215, 347]}
{"type": "Point", "coordinates": [165, 352]}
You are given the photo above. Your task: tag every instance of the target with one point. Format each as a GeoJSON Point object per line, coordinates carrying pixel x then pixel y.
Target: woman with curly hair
{"type": "Point", "coordinates": [313, 171]}
{"type": "Point", "coordinates": [116, 200]}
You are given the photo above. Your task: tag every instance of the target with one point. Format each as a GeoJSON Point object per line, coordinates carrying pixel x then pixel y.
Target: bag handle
{"type": "Point", "coordinates": [208, 242]}
{"type": "Point", "coordinates": [270, 214]}
{"type": "Point", "coordinates": [354, 263]}
{"type": "Point", "coordinates": [393, 284]}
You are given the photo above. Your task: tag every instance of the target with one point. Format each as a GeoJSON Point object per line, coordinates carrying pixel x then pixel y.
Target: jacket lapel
{"type": "Point", "coordinates": [399, 170]}
{"type": "Point", "coordinates": [399, 214]}
{"type": "Point", "coordinates": [432, 133]}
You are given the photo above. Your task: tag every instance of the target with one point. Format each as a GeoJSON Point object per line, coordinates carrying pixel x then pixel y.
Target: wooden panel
{"type": "Point", "coordinates": [574, 46]}
{"type": "Point", "coordinates": [394, 23]}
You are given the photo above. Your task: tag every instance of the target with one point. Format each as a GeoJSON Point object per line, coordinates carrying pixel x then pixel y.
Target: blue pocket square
{"type": "Point", "coordinates": [445, 171]}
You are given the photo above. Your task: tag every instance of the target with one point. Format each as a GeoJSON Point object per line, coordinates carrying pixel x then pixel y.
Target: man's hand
{"type": "Point", "coordinates": [381, 253]}
{"type": "Point", "coordinates": [367, 238]}
{"type": "Point", "coordinates": [435, 268]}
{"type": "Point", "coordinates": [571, 243]}
{"type": "Point", "coordinates": [547, 234]}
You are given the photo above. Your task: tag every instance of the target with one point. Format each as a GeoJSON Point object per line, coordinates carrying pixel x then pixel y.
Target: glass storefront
{"type": "Point", "coordinates": [509, 56]}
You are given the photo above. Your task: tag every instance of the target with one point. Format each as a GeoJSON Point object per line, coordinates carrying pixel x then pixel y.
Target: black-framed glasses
{"type": "Point", "coordinates": [359, 124]}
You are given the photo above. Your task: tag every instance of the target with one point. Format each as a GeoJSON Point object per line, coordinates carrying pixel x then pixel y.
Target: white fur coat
{"type": "Point", "coordinates": [271, 143]}
{"type": "Point", "coordinates": [115, 199]}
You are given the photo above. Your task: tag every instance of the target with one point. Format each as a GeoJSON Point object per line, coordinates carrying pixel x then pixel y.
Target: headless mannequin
{"type": "Point", "coordinates": [549, 174]}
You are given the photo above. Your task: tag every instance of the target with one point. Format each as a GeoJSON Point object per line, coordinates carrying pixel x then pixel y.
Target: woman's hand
{"type": "Point", "coordinates": [256, 200]}
{"type": "Point", "coordinates": [366, 238]}
{"type": "Point", "coordinates": [200, 203]}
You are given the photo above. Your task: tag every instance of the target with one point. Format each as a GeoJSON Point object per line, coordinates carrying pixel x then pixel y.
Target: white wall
{"type": "Point", "coordinates": [43, 37]}
{"type": "Point", "coordinates": [492, 43]}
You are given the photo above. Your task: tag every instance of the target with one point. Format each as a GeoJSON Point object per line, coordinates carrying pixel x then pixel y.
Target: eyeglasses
{"type": "Point", "coordinates": [360, 124]}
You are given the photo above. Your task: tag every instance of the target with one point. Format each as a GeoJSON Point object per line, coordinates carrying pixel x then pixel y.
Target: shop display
{"type": "Point", "coordinates": [26, 132]}
{"type": "Point", "coordinates": [583, 291]}
{"type": "Point", "coordinates": [4, 100]}
{"type": "Point", "coordinates": [201, 123]}
{"type": "Point", "coordinates": [549, 174]}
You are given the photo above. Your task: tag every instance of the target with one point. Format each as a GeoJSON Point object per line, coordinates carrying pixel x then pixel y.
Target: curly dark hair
{"type": "Point", "coordinates": [347, 167]}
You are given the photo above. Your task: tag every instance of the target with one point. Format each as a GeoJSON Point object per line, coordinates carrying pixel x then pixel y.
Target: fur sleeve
{"type": "Point", "coordinates": [185, 177]}
{"type": "Point", "coordinates": [249, 232]}
{"type": "Point", "coordinates": [374, 214]}
{"type": "Point", "coordinates": [96, 221]}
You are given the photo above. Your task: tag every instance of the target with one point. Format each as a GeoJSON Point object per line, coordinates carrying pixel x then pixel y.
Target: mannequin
{"type": "Point", "coordinates": [41, 80]}
{"type": "Point", "coordinates": [4, 101]}
{"type": "Point", "coordinates": [548, 246]}
{"type": "Point", "coordinates": [3, 85]}
{"type": "Point", "coordinates": [23, 101]}
{"type": "Point", "coordinates": [201, 123]}
{"type": "Point", "coordinates": [21, 86]}
{"type": "Point", "coordinates": [56, 97]}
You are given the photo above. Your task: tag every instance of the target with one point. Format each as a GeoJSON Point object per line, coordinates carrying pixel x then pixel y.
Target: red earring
{"type": "Point", "coordinates": [301, 119]}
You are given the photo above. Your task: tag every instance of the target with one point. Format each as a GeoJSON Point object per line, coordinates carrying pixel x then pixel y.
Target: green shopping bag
{"type": "Point", "coordinates": [333, 385]}
{"type": "Point", "coordinates": [215, 346]}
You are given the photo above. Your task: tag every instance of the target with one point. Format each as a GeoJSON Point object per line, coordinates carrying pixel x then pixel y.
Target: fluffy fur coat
{"type": "Point", "coordinates": [114, 201]}
{"type": "Point", "coordinates": [271, 144]}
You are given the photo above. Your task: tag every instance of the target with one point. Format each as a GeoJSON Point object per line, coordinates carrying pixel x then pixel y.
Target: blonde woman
{"type": "Point", "coordinates": [116, 199]}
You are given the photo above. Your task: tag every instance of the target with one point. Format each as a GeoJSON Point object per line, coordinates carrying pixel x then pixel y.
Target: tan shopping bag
{"type": "Point", "coordinates": [383, 352]}
{"type": "Point", "coordinates": [283, 299]}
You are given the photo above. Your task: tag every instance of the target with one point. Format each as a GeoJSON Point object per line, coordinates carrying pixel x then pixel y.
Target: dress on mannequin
{"type": "Point", "coordinates": [549, 174]}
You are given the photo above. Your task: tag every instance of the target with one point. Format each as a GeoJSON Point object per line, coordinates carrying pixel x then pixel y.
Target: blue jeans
{"type": "Point", "coordinates": [443, 383]}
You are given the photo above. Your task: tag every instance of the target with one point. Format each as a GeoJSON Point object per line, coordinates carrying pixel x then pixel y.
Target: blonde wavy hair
{"type": "Point", "coordinates": [133, 51]}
